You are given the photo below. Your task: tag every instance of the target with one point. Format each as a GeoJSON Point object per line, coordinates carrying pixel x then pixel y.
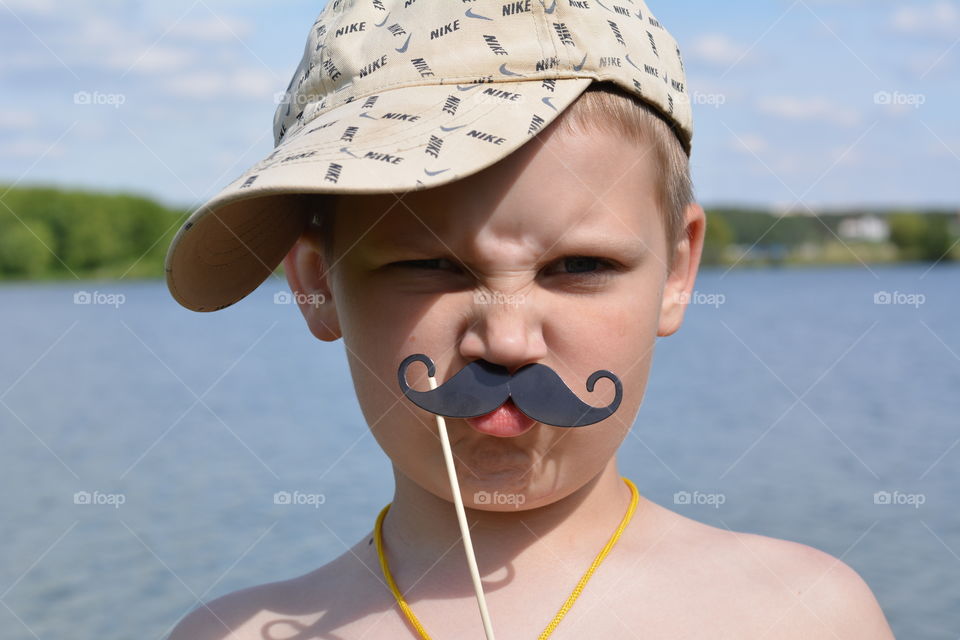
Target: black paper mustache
{"type": "Point", "coordinates": [536, 389]}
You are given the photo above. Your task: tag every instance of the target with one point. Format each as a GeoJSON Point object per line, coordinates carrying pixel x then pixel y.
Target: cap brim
{"type": "Point", "coordinates": [407, 138]}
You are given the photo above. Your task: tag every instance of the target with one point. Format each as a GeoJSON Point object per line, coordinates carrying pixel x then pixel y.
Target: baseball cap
{"type": "Point", "coordinates": [398, 95]}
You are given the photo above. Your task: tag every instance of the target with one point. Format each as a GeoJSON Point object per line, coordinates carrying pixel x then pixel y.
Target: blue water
{"type": "Point", "coordinates": [195, 420]}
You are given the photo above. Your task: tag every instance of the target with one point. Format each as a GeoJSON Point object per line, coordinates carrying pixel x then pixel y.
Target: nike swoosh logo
{"type": "Point", "coordinates": [640, 14]}
{"type": "Point", "coordinates": [578, 67]}
{"type": "Point", "coordinates": [504, 71]}
{"type": "Point", "coordinates": [384, 20]}
{"type": "Point", "coordinates": [345, 150]}
{"type": "Point", "coordinates": [405, 44]}
{"type": "Point", "coordinates": [447, 129]}
{"type": "Point", "coordinates": [367, 115]}
{"type": "Point", "coordinates": [468, 88]}
{"type": "Point", "coordinates": [435, 173]}
{"type": "Point", "coordinates": [605, 7]}
{"type": "Point", "coordinates": [471, 14]}
{"type": "Point", "coordinates": [631, 62]}
{"type": "Point", "coordinates": [552, 6]}
{"type": "Point", "coordinates": [547, 102]}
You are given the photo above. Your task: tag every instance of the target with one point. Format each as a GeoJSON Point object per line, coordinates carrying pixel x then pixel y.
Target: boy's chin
{"type": "Point", "coordinates": [498, 508]}
{"type": "Point", "coordinates": [501, 490]}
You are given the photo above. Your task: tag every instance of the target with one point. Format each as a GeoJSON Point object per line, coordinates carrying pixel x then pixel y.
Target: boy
{"type": "Point", "coordinates": [558, 228]}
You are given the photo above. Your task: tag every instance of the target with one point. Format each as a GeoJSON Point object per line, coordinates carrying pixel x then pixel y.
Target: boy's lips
{"type": "Point", "coordinates": [506, 421]}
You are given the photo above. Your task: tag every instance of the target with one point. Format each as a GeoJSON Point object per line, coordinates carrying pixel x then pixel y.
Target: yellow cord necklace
{"type": "Point", "coordinates": [378, 536]}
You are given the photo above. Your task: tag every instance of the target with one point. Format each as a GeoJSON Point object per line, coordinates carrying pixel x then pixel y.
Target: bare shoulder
{"type": "Point", "coordinates": [822, 593]}
{"type": "Point", "coordinates": [260, 611]}
{"type": "Point", "coordinates": [316, 604]}
{"type": "Point", "coordinates": [775, 587]}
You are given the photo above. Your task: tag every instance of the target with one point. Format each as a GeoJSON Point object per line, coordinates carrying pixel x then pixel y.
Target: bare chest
{"type": "Point", "coordinates": [607, 608]}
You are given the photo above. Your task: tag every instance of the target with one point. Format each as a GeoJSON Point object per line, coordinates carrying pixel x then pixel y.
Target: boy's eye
{"type": "Point", "coordinates": [430, 264]}
{"type": "Point", "coordinates": [582, 270]}
{"type": "Point", "coordinates": [583, 264]}
{"type": "Point", "coordinates": [570, 265]}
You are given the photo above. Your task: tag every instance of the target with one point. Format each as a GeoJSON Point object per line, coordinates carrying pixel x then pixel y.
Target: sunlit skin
{"type": "Point", "coordinates": [566, 237]}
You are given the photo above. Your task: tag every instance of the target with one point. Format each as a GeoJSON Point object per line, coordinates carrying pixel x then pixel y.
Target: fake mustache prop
{"type": "Point", "coordinates": [536, 389]}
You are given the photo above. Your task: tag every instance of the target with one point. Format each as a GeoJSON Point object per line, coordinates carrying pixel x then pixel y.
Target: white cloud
{"type": "Point", "coordinates": [159, 59]}
{"type": "Point", "coordinates": [749, 143]}
{"type": "Point", "coordinates": [716, 49]}
{"type": "Point", "coordinates": [212, 85]}
{"type": "Point", "coordinates": [17, 120]}
{"type": "Point", "coordinates": [44, 7]}
{"type": "Point", "coordinates": [941, 149]}
{"type": "Point", "coordinates": [791, 108]}
{"type": "Point", "coordinates": [937, 18]}
{"type": "Point", "coordinates": [216, 28]}
{"type": "Point", "coordinates": [31, 148]}
{"type": "Point", "coordinates": [845, 155]}
{"type": "Point", "coordinates": [110, 41]}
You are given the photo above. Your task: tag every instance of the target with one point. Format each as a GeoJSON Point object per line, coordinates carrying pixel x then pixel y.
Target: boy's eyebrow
{"type": "Point", "coordinates": [629, 245]}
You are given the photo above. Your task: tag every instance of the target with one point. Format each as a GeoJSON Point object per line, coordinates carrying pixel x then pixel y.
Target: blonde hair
{"type": "Point", "coordinates": [607, 107]}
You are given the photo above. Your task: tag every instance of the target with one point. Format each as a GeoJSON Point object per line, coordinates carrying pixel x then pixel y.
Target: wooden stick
{"type": "Point", "coordinates": [462, 518]}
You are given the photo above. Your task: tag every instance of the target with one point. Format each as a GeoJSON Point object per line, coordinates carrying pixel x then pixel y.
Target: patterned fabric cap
{"type": "Point", "coordinates": [398, 95]}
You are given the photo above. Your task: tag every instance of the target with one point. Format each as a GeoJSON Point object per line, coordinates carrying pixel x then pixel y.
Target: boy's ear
{"type": "Point", "coordinates": [308, 276]}
{"type": "Point", "coordinates": [678, 287]}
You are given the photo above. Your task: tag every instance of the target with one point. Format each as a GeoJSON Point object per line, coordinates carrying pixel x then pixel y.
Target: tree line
{"type": "Point", "coordinates": [51, 233]}
{"type": "Point", "coordinates": [46, 232]}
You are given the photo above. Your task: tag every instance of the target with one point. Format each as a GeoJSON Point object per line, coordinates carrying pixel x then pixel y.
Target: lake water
{"type": "Point", "coordinates": [194, 421]}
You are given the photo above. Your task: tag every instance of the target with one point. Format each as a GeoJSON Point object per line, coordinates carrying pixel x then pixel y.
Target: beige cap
{"type": "Point", "coordinates": [397, 95]}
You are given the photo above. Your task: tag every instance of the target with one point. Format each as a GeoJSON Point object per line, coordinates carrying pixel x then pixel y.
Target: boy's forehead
{"type": "Point", "coordinates": [538, 193]}
{"type": "Point", "coordinates": [498, 233]}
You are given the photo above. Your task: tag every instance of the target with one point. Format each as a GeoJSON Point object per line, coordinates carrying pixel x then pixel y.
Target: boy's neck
{"type": "Point", "coordinates": [421, 532]}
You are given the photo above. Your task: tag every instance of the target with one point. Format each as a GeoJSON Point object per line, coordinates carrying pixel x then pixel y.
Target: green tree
{"type": "Point", "coordinates": [91, 233]}
{"type": "Point", "coordinates": [718, 237]}
{"type": "Point", "coordinates": [906, 233]}
{"type": "Point", "coordinates": [921, 236]}
{"type": "Point", "coordinates": [937, 240]}
{"type": "Point", "coordinates": [24, 251]}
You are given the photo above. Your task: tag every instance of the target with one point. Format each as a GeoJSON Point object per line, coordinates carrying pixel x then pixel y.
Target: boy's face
{"type": "Point", "coordinates": [483, 268]}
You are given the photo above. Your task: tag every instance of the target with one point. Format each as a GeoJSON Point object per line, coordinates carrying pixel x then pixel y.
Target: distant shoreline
{"type": "Point", "coordinates": [51, 234]}
{"type": "Point", "coordinates": [58, 279]}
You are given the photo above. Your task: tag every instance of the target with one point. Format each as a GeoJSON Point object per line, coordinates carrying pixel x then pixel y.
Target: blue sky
{"type": "Point", "coordinates": [825, 103]}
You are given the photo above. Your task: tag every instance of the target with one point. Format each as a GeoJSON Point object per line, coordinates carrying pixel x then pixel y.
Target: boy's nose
{"type": "Point", "coordinates": [506, 334]}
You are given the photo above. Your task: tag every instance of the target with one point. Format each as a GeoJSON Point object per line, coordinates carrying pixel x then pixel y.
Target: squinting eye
{"type": "Point", "coordinates": [429, 264]}
{"type": "Point", "coordinates": [579, 264]}
{"type": "Point", "coordinates": [585, 265]}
